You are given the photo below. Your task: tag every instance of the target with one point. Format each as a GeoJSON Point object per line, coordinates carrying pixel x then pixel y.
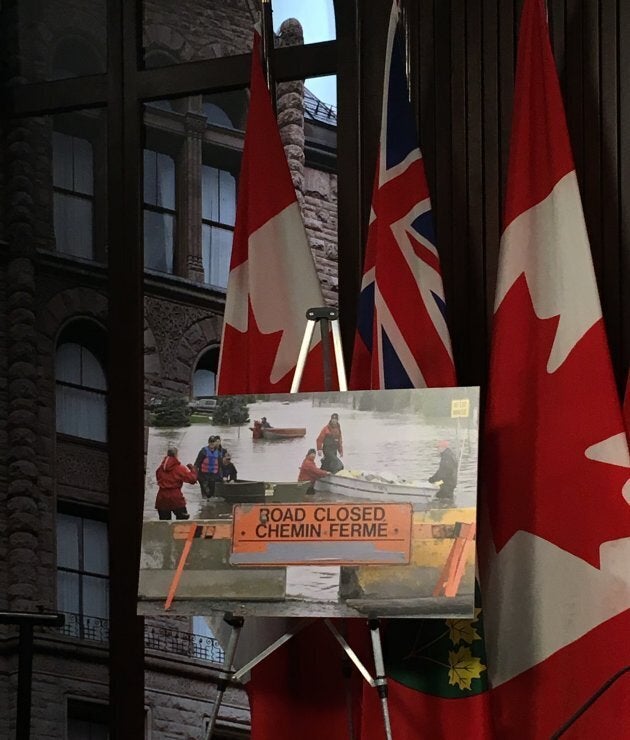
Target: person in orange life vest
{"type": "Point", "coordinates": [330, 444]}
{"type": "Point", "coordinates": [170, 476]}
{"type": "Point", "coordinates": [208, 467]}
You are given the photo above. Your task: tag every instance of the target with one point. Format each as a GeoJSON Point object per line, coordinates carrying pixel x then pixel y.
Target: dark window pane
{"type": "Point", "coordinates": [68, 363]}
{"type": "Point", "coordinates": [92, 374]}
{"type": "Point", "coordinates": [216, 115]}
{"type": "Point", "coordinates": [81, 413]}
{"type": "Point", "coordinates": [217, 249]}
{"type": "Point", "coordinates": [210, 193]}
{"type": "Point", "coordinates": [68, 541]}
{"type": "Point", "coordinates": [80, 729]}
{"type": "Point", "coordinates": [205, 30]}
{"type": "Point", "coordinates": [83, 166]}
{"type": "Point", "coordinates": [68, 592]}
{"type": "Point", "coordinates": [165, 182]}
{"type": "Point", "coordinates": [158, 241]}
{"type": "Point", "coordinates": [78, 365]}
{"type": "Point", "coordinates": [78, 215]}
{"type": "Point", "coordinates": [95, 596]}
{"type": "Point", "coordinates": [150, 177]}
{"type": "Point", "coordinates": [72, 163]}
{"type": "Point", "coordinates": [81, 402]}
{"type": "Point", "coordinates": [62, 161]}
{"type": "Point", "coordinates": [95, 547]}
{"type": "Point", "coordinates": [159, 179]}
{"type": "Point", "coordinates": [227, 198]}
{"type": "Point", "coordinates": [62, 39]}
{"type": "Point", "coordinates": [226, 109]}
{"type": "Point", "coordinates": [73, 225]}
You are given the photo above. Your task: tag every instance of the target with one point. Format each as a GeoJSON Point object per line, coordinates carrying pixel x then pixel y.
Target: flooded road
{"type": "Point", "coordinates": [390, 444]}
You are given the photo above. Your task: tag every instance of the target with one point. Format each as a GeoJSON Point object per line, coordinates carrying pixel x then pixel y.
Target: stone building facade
{"type": "Point", "coordinates": [53, 335]}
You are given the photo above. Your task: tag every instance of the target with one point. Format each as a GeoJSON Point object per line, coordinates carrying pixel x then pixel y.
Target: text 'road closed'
{"type": "Point", "coordinates": [387, 527]}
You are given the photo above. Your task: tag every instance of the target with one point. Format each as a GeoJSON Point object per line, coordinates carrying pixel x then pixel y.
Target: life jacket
{"type": "Point", "coordinates": [211, 461]}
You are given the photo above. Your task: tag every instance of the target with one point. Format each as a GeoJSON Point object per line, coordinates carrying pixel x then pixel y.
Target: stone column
{"type": "Point", "coordinates": [27, 509]}
{"type": "Point", "coordinates": [25, 504]}
{"type": "Point", "coordinates": [290, 103]}
{"type": "Point", "coordinates": [189, 262]}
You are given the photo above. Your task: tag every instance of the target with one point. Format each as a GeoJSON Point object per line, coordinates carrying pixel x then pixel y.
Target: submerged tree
{"type": "Point", "coordinates": [230, 410]}
{"type": "Point", "coordinates": [172, 412]}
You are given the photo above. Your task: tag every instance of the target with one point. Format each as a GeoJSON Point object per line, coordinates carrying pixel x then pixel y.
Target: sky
{"type": "Point", "coordinates": [318, 21]}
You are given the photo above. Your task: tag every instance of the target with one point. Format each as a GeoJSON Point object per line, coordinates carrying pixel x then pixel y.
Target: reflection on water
{"type": "Point", "coordinates": [313, 583]}
{"type": "Point", "coordinates": [388, 443]}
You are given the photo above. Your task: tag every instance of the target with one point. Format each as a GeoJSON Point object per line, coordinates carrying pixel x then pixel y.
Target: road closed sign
{"type": "Point", "coordinates": [312, 534]}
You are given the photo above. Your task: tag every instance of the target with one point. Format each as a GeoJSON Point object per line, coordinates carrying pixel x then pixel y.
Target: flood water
{"type": "Point", "coordinates": [390, 444]}
{"type": "Point", "coordinates": [385, 443]}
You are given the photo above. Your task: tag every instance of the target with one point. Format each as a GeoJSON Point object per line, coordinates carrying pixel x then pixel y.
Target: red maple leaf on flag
{"type": "Point", "coordinates": [541, 437]}
{"type": "Point", "coordinates": [255, 372]}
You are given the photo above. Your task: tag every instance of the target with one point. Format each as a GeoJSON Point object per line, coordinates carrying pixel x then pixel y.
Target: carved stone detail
{"type": "Point", "coordinates": [81, 466]}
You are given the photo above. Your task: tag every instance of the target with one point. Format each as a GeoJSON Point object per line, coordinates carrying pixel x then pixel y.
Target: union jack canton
{"type": "Point", "coordinates": [402, 338]}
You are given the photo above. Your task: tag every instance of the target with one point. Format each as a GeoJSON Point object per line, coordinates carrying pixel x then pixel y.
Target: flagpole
{"type": "Point", "coordinates": [267, 49]}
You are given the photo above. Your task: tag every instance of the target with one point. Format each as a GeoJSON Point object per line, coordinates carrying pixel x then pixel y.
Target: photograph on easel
{"type": "Point", "coordinates": [335, 504]}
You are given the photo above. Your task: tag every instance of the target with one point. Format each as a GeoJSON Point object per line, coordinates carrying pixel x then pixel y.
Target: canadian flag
{"type": "Point", "coordinates": [556, 568]}
{"type": "Point", "coordinates": [272, 279]}
{"type": "Point", "coordinates": [626, 408]}
{"type": "Point", "coordinates": [272, 283]}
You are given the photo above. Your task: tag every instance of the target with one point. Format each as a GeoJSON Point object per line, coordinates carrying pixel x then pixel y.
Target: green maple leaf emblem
{"type": "Point", "coordinates": [443, 657]}
{"type": "Point", "coordinates": [464, 667]}
{"type": "Point", "coordinates": [462, 630]}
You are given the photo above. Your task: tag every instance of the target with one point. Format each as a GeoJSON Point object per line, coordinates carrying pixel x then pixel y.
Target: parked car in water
{"type": "Point", "coordinates": [203, 405]}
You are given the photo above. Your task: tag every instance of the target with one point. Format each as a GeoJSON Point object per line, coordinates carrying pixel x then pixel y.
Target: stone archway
{"type": "Point", "coordinates": [152, 361]}
{"type": "Point", "coordinates": [70, 304]}
{"type": "Point", "coordinates": [197, 339]}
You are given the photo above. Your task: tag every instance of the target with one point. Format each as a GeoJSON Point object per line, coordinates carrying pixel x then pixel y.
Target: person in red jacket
{"type": "Point", "coordinates": [309, 470]}
{"type": "Point", "coordinates": [170, 476]}
{"type": "Point", "coordinates": [330, 445]}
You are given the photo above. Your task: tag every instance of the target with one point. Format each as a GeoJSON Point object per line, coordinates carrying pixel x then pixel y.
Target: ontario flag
{"type": "Point", "coordinates": [402, 338]}
{"type": "Point", "coordinates": [556, 574]}
{"type": "Point", "coordinates": [272, 279]}
{"type": "Point", "coordinates": [436, 667]}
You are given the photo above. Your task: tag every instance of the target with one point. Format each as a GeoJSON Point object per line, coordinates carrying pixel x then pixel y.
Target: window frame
{"type": "Point", "coordinates": [161, 211]}
{"type": "Point", "coordinates": [123, 89]}
{"type": "Point", "coordinates": [88, 710]}
{"type": "Point", "coordinates": [212, 223]}
{"type": "Point", "coordinates": [102, 393]}
{"type": "Point", "coordinates": [84, 512]}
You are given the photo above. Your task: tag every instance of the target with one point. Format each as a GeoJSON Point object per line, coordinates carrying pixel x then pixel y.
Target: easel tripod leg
{"type": "Point", "coordinates": [236, 623]}
{"type": "Point", "coordinates": [380, 679]}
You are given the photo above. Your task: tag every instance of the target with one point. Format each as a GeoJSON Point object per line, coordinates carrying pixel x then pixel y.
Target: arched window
{"type": "Point", "coordinates": [205, 375]}
{"type": "Point", "coordinates": [81, 386]}
{"type": "Point", "coordinates": [226, 109]}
